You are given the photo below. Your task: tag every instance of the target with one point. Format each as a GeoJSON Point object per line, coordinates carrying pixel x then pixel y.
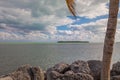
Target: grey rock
{"type": "Point", "coordinates": [61, 67]}
{"type": "Point", "coordinates": [53, 75]}
{"type": "Point", "coordinates": [19, 75]}
{"type": "Point", "coordinates": [80, 67]}
{"type": "Point", "coordinates": [63, 71]}
{"type": "Point", "coordinates": [22, 73]}
{"type": "Point", "coordinates": [37, 73]}
{"type": "Point", "coordinates": [27, 72]}
{"type": "Point", "coordinates": [115, 77]}
{"type": "Point", "coordinates": [76, 76]}
{"type": "Point", "coordinates": [69, 75]}
{"type": "Point", "coordinates": [56, 71]}
{"type": "Point", "coordinates": [95, 67]}
{"type": "Point", "coordinates": [82, 76]}
{"type": "Point", "coordinates": [115, 69]}
{"type": "Point", "coordinates": [45, 76]}
{"type": "Point", "coordinates": [6, 78]}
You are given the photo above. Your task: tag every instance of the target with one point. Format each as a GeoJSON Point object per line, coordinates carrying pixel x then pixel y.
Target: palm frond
{"type": "Point", "coordinates": [71, 6]}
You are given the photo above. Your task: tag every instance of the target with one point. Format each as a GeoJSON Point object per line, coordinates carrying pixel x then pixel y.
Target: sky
{"type": "Point", "coordinates": [50, 20]}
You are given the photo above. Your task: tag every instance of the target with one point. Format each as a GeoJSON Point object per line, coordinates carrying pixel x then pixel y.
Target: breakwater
{"type": "Point", "coordinates": [78, 70]}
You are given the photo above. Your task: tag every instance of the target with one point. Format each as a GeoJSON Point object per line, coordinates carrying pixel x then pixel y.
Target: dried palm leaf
{"type": "Point", "coordinates": [71, 6]}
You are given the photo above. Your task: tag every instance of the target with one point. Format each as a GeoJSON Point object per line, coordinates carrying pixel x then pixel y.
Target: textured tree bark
{"type": "Point", "coordinates": [109, 39]}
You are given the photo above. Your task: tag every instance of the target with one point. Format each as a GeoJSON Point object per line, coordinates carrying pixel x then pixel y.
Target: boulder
{"type": "Point", "coordinates": [61, 67]}
{"type": "Point", "coordinates": [115, 69]}
{"type": "Point", "coordinates": [115, 77]}
{"type": "Point", "coordinates": [80, 67]}
{"type": "Point", "coordinates": [95, 67]}
{"type": "Point", "coordinates": [45, 76]}
{"type": "Point", "coordinates": [38, 74]}
{"type": "Point", "coordinates": [82, 76]}
{"type": "Point", "coordinates": [56, 71]}
{"type": "Point", "coordinates": [22, 73]}
{"type": "Point", "coordinates": [79, 70]}
{"type": "Point", "coordinates": [54, 75]}
{"type": "Point", "coordinates": [6, 78]}
{"type": "Point", "coordinates": [70, 75]}
{"type": "Point", "coordinates": [25, 72]}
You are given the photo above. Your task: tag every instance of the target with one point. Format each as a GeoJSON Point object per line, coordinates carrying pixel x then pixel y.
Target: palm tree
{"type": "Point", "coordinates": [109, 38]}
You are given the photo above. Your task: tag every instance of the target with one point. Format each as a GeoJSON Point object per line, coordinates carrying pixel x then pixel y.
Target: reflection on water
{"type": "Point", "coordinates": [46, 55]}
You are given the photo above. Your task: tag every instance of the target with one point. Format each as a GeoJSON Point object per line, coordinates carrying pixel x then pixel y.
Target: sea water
{"type": "Point", "coordinates": [46, 55]}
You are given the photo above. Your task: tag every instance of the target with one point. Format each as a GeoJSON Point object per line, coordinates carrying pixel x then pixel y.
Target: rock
{"type": "Point", "coordinates": [82, 76]}
{"type": "Point", "coordinates": [45, 76]}
{"type": "Point", "coordinates": [69, 75]}
{"type": "Point", "coordinates": [56, 70]}
{"type": "Point", "coordinates": [27, 72]}
{"type": "Point", "coordinates": [95, 67]}
{"type": "Point", "coordinates": [115, 77]}
{"type": "Point", "coordinates": [37, 73]}
{"type": "Point", "coordinates": [115, 69]}
{"type": "Point", "coordinates": [80, 67]}
{"type": "Point", "coordinates": [19, 75]}
{"type": "Point", "coordinates": [61, 67]}
{"type": "Point", "coordinates": [6, 78]}
{"type": "Point", "coordinates": [76, 76]}
{"type": "Point", "coordinates": [22, 73]}
{"type": "Point", "coordinates": [53, 75]}
{"type": "Point", "coordinates": [63, 71]}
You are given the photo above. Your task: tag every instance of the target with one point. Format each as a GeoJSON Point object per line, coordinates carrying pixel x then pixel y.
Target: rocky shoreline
{"type": "Point", "coordinates": [78, 70]}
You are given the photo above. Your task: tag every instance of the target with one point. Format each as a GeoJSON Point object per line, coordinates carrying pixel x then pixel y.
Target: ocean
{"type": "Point", "coordinates": [46, 55]}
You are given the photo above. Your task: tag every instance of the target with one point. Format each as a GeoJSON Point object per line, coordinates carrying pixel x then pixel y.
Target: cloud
{"type": "Point", "coordinates": [39, 19]}
{"type": "Point", "coordinates": [91, 8]}
{"type": "Point", "coordinates": [32, 15]}
{"type": "Point", "coordinates": [31, 36]}
{"type": "Point", "coordinates": [92, 31]}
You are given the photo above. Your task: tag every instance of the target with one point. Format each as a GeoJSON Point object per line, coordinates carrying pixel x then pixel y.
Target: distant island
{"type": "Point", "coordinates": [72, 41]}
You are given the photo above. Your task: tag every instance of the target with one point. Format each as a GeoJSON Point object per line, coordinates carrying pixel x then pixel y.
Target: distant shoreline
{"type": "Point", "coordinates": [44, 42]}
{"type": "Point", "coordinates": [72, 41]}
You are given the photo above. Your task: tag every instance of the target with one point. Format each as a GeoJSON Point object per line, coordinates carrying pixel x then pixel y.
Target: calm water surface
{"type": "Point", "coordinates": [46, 55]}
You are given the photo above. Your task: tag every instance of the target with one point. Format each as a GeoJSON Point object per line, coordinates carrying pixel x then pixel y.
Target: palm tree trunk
{"type": "Point", "coordinates": [109, 39]}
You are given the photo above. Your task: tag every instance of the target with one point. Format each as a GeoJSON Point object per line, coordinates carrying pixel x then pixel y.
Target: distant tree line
{"type": "Point", "coordinates": [73, 42]}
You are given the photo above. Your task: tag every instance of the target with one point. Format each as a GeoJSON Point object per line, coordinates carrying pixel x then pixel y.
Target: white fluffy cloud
{"type": "Point", "coordinates": [91, 8]}
{"type": "Point", "coordinates": [39, 19]}
{"type": "Point", "coordinates": [92, 31]}
{"type": "Point", "coordinates": [31, 36]}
